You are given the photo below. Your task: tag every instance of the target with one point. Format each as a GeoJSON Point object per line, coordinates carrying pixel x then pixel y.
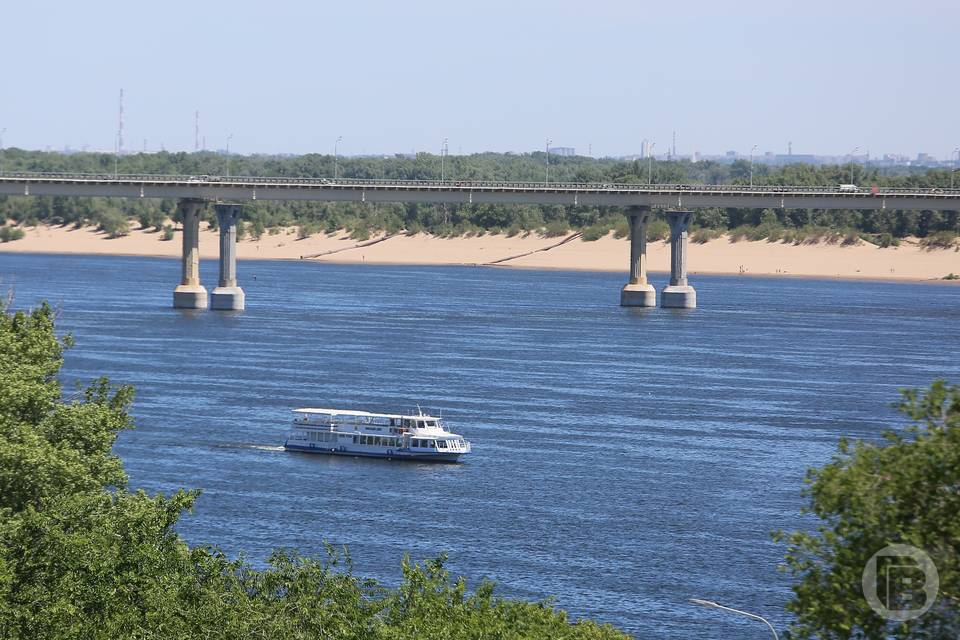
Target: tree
{"type": "Point", "coordinates": [905, 491]}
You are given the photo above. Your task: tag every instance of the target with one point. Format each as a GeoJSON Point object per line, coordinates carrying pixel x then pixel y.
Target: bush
{"type": "Point", "coordinates": [151, 219]}
{"type": "Point", "coordinates": [114, 224]}
{"type": "Point", "coordinates": [595, 232]}
{"type": "Point", "coordinates": [939, 240]}
{"type": "Point", "coordinates": [658, 230]}
{"type": "Point", "coordinates": [621, 228]}
{"type": "Point", "coordinates": [167, 232]}
{"type": "Point", "coordinates": [851, 237]}
{"type": "Point", "coordinates": [9, 233]}
{"type": "Point", "coordinates": [885, 240]}
{"type": "Point", "coordinates": [555, 228]}
{"type": "Point", "coordinates": [739, 233]}
{"type": "Point", "coordinates": [702, 236]}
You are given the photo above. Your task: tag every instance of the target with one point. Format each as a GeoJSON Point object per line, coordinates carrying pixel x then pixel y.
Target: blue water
{"type": "Point", "coordinates": [625, 460]}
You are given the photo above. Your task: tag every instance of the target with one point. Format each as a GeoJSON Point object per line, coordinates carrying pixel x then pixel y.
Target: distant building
{"type": "Point", "coordinates": [563, 151]}
{"type": "Point", "coordinates": [800, 158]}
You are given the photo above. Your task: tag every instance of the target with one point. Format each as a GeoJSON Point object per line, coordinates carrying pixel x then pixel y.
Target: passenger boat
{"type": "Point", "coordinates": [374, 435]}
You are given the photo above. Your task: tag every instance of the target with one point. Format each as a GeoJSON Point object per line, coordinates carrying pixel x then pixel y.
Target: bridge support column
{"type": "Point", "coordinates": [190, 294]}
{"type": "Point", "coordinates": [678, 294]}
{"type": "Point", "coordinates": [227, 296]}
{"type": "Point", "coordinates": [638, 292]}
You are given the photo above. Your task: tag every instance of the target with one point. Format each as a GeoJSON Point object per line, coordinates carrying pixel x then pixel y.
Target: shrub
{"type": "Point", "coordinates": [621, 228]}
{"type": "Point", "coordinates": [658, 230]}
{"type": "Point", "coordinates": [114, 224]}
{"type": "Point", "coordinates": [702, 236]}
{"type": "Point", "coordinates": [360, 232]}
{"type": "Point", "coordinates": [151, 219]}
{"type": "Point", "coordinates": [887, 240]}
{"type": "Point", "coordinates": [9, 233]}
{"type": "Point", "coordinates": [555, 228]}
{"type": "Point", "coordinates": [307, 229]}
{"type": "Point", "coordinates": [951, 276]}
{"type": "Point", "coordinates": [739, 233]}
{"type": "Point", "coordinates": [595, 232]}
{"type": "Point", "coordinates": [939, 240]}
{"type": "Point", "coordinates": [257, 229]}
{"type": "Point", "coordinates": [167, 232]}
{"type": "Point", "coordinates": [851, 237]}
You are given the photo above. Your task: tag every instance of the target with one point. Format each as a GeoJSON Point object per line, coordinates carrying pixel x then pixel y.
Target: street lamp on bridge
{"type": "Point", "coordinates": [229, 138]}
{"type": "Point", "coordinates": [752, 149]}
{"type": "Point", "coordinates": [336, 148]}
{"type": "Point", "coordinates": [714, 605]}
{"type": "Point", "coordinates": [443, 152]}
{"type": "Point", "coordinates": [853, 163]}
{"type": "Point", "coordinates": [956, 156]}
{"type": "Point", "coordinates": [650, 163]}
{"type": "Point", "coordinates": [547, 180]}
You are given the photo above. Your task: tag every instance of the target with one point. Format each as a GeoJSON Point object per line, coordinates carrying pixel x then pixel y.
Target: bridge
{"type": "Point", "coordinates": [193, 192]}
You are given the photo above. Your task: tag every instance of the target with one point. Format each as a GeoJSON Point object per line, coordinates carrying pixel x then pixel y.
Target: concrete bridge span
{"type": "Point", "coordinates": [637, 199]}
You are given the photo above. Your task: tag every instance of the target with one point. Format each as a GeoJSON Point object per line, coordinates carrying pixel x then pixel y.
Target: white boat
{"type": "Point", "coordinates": [374, 435]}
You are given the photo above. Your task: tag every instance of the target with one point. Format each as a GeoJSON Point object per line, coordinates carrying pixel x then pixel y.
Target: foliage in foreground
{"type": "Point", "coordinates": [870, 496]}
{"type": "Point", "coordinates": [82, 556]}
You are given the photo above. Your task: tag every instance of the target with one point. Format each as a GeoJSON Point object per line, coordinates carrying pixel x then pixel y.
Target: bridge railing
{"type": "Point", "coordinates": [457, 185]}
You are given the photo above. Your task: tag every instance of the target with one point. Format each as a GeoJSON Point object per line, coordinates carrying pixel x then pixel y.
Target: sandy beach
{"type": "Point", "coordinates": [909, 261]}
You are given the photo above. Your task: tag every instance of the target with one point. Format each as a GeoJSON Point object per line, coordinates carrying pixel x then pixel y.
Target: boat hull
{"type": "Point", "coordinates": [395, 454]}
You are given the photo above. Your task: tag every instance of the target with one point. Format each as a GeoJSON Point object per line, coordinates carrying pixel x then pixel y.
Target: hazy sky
{"type": "Point", "coordinates": [500, 75]}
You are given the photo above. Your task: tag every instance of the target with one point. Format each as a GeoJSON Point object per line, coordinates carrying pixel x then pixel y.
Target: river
{"type": "Point", "coordinates": [624, 460]}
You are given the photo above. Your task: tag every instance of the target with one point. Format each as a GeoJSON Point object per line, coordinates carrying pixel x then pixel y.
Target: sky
{"type": "Point", "coordinates": [292, 76]}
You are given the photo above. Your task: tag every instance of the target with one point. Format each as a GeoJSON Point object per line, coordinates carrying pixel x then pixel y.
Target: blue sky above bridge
{"type": "Point", "coordinates": [396, 77]}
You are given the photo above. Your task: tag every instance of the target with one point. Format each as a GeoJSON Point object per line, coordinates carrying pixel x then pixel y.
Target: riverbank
{"type": "Point", "coordinates": [909, 261]}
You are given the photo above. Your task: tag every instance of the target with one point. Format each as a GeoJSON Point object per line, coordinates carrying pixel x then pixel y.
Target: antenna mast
{"type": "Point", "coordinates": [196, 130]}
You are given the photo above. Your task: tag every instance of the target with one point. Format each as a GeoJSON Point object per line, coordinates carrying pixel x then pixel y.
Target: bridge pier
{"type": "Point", "coordinates": [190, 294]}
{"type": "Point", "coordinates": [678, 294]}
{"type": "Point", "coordinates": [638, 292]}
{"type": "Point", "coordinates": [227, 295]}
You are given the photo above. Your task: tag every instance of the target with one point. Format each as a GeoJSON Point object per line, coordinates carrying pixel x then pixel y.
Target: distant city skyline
{"type": "Point", "coordinates": [495, 76]}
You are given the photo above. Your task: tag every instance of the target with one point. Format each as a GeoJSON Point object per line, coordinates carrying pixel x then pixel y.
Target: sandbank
{"type": "Point", "coordinates": [909, 261]}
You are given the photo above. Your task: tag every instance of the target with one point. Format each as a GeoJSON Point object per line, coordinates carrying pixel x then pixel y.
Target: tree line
{"type": "Point", "coordinates": [114, 216]}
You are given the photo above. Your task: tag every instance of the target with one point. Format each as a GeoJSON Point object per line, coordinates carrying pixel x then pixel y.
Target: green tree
{"type": "Point", "coordinates": [904, 491]}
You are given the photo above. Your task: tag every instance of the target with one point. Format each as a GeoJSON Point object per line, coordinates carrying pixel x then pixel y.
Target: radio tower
{"type": "Point", "coordinates": [673, 147]}
{"type": "Point", "coordinates": [120, 126]}
{"type": "Point", "coordinates": [196, 130]}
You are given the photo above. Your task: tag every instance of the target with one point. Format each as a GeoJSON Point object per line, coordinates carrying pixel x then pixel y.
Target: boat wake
{"type": "Point", "coordinates": [259, 447]}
